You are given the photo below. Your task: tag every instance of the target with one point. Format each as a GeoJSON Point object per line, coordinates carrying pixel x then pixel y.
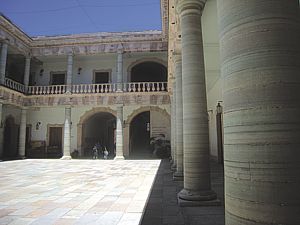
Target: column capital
{"type": "Point", "coordinates": [190, 6]}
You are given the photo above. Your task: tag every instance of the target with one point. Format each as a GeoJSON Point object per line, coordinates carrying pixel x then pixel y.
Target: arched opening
{"type": "Point", "coordinates": [149, 72]}
{"type": "Point", "coordinates": [99, 128]}
{"type": "Point", "coordinates": [11, 134]}
{"type": "Point", "coordinates": [140, 136]}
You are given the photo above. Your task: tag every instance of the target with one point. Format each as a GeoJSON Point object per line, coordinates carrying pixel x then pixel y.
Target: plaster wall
{"type": "Point", "coordinates": [89, 64]}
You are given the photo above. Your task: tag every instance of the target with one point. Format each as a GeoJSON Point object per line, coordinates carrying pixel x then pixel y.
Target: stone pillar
{"type": "Point", "coordinates": [173, 126]}
{"type": "Point", "coordinates": [69, 72]}
{"type": "Point", "coordinates": [197, 186]}
{"type": "Point", "coordinates": [22, 135]}
{"type": "Point", "coordinates": [27, 72]}
{"type": "Point", "coordinates": [260, 58]}
{"type": "Point", "coordinates": [67, 134]}
{"type": "Point", "coordinates": [1, 130]}
{"type": "Point", "coordinates": [178, 175]}
{"type": "Point", "coordinates": [119, 133]}
{"type": "Point", "coordinates": [120, 71]}
{"type": "Point", "coordinates": [3, 59]}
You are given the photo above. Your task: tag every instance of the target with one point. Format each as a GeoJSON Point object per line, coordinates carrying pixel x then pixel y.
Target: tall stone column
{"type": "Point", "coordinates": [260, 55]}
{"type": "Point", "coordinates": [22, 135]}
{"type": "Point", "coordinates": [67, 134]}
{"type": "Point", "coordinates": [178, 175]}
{"type": "Point", "coordinates": [69, 71]}
{"type": "Point", "coordinates": [120, 71]}
{"type": "Point", "coordinates": [197, 186]}
{"type": "Point", "coordinates": [173, 126]}
{"type": "Point", "coordinates": [3, 59]}
{"type": "Point", "coordinates": [119, 133]}
{"type": "Point", "coordinates": [1, 130]}
{"type": "Point", "coordinates": [27, 72]}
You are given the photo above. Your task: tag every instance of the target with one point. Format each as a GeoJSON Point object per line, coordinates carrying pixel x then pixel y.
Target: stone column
{"type": "Point", "coordinates": [178, 175]}
{"type": "Point", "coordinates": [27, 72]}
{"type": "Point", "coordinates": [1, 130]}
{"type": "Point", "coordinates": [197, 186]}
{"type": "Point", "coordinates": [173, 126]}
{"type": "Point", "coordinates": [3, 59]}
{"type": "Point", "coordinates": [22, 135]}
{"type": "Point", "coordinates": [260, 58]}
{"type": "Point", "coordinates": [67, 134]}
{"type": "Point", "coordinates": [119, 133]}
{"type": "Point", "coordinates": [120, 71]}
{"type": "Point", "coordinates": [69, 71]}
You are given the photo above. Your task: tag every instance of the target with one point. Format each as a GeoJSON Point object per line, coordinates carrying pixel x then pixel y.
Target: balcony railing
{"type": "Point", "coordinates": [14, 85]}
{"type": "Point", "coordinates": [88, 88]}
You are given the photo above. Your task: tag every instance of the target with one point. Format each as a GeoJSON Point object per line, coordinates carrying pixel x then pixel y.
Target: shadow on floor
{"type": "Point", "coordinates": [162, 207]}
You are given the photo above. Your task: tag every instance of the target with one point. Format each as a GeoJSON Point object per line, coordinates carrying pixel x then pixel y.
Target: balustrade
{"type": "Point", "coordinates": [87, 88]}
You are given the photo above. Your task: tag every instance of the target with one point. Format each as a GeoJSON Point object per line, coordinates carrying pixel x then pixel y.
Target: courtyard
{"type": "Point", "coordinates": [41, 191]}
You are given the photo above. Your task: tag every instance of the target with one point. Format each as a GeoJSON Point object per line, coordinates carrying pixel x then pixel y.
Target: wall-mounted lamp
{"type": "Point", "coordinates": [41, 72]}
{"type": "Point", "coordinates": [219, 108]}
{"type": "Point", "coordinates": [38, 125]}
{"type": "Point", "coordinates": [79, 70]}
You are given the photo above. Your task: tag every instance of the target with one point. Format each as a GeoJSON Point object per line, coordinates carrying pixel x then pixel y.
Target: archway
{"type": "Point", "coordinates": [100, 127]}
{"type": "Point", "coordinates": [11, 134]}
{"type": "Point", "coordinates": [148, 71]}
{"type": "Point", "coordinates": [139, 138]}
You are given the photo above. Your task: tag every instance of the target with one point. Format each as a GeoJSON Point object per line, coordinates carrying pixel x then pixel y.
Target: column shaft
{"type": "Point", "coordinates": [69, 72]}
{"type": "Point", "coordinates": [178, 175]}
{"type": "Point", "coordinates": [67, 134]}
{"type": "Point", "coordinates": [197, 187]}
{"type": "Point", "coordinates": [1, 131]}
{"type": "Point", "coordinates": [27, 72]}
{"type": "Point", "coordinates": [22, 135]}
{"type": "Point", "coordinates": [119, 133]}
{"type": "Point", "coordinates": [120, 71]}
{"type": "Point", "coordinates": [260, 58]}
{"type": "Point", "coordinates": [3, 59]}
{"type": "Point", "coordinates": [173, 126]}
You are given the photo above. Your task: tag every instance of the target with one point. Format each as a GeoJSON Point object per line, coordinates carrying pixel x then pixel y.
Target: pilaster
{"type": "Point", "coordinates": [22, 135]}
{"type": "Point", "coordinates": [119, 133]}
{"type": "Point", "coordinates": [67, 134]}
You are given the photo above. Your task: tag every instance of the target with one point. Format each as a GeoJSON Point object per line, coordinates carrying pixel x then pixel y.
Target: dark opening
{"type": "Point", "coordinates": [11, 136]}
{"type": "Point", "coordinates": [101, 77]}
{"type": "Point", "coordinates": [15, 67]}
{"type": "Point", "coordinates": [54, 149]}
{"type": "Point", "coordinates": [149, 72]}
{"type": "Point", "coordinates": [99, 128]}
{"type": "Point", "coordinates": [140, 136]}
{"type": "Point", "coordinates": [58, 79]}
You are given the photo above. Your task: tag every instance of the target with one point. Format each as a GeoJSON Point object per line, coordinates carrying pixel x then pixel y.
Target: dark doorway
{"type": "Point", "coordinates": [101, 77]}
{"type": "Point", "coordinates": [11, 137]}
{"type": "Point", "coordinates": [149, 72]}
{"type": "Point", "coordinates": [99, 128]}
{"type": "Point", "coordinates": [58, 78]}
{"type": "Point", "coordinates": [54, 148]}
{"type": "Point", "coordinates": [140, 136]}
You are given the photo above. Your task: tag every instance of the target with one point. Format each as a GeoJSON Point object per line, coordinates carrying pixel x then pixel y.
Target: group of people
{"type": "Point", "coordinates": [100, 149]}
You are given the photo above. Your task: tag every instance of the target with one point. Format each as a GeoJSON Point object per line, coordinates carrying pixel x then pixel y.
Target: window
{"type": "Point", "coordinates": [101, 77]}
{"type": "Point", "coordinates": [58, 78]}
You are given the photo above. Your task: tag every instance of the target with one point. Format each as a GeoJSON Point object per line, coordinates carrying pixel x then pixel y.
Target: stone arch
{"type": "Point", "coordinates": [143, 60]}
{"type": "Point", "coordinates": [144, 109]}
{"type": "Point", "coordinates": [87, 115]}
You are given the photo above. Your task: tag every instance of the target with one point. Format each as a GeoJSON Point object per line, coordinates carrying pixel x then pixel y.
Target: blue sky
{"type": "Point", "coordinates": [57, 17]}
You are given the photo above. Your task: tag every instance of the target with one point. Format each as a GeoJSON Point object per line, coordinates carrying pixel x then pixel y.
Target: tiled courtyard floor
{"type": "Point", "coordinates": [75, 192]}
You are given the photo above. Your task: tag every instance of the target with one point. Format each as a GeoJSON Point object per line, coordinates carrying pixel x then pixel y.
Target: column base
{"type": "Point", "coordinates": [21, 157]}
{"type": "Point", "coordinates": [188, 198]}
{"type": "Point", "coordinates": [178, 176]}
{"type": "Point", "coordinates": [65, 157]}
{"type": "Point", "coordinates": [119, 158]}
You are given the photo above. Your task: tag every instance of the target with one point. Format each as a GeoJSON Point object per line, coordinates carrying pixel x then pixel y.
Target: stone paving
{"type": "Point", "coordinates": [162, 207]}
{"type": "Point", "coordinates": [62, 192]}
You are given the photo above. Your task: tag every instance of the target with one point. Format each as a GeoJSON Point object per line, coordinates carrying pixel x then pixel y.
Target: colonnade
{"type": "Point", "coordinates": [260, 64]}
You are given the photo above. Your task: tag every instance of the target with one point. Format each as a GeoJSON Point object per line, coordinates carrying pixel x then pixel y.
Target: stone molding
{"type": "Point", "coordinates": [190, 6]}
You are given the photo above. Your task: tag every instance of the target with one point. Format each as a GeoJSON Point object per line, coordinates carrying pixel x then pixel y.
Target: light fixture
{"type": "Point", "coordinates": [219, 108]}
{"type": "Point", "coordinates": [79, 70]}
{"type": "Point", "coordinates": [41, 72]}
